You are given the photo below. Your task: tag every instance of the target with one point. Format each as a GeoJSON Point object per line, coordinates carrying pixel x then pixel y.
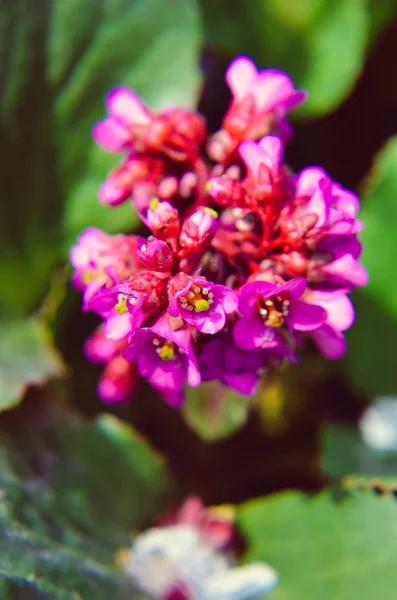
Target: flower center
{"type": "Point", "coordinates": [198, 298]}
{"type": "Point", "coordinates": [273, 310]}
{"type": "Point", "coordinates": [121, 306]}
{"type": "Point", "coordinates": [164, 348]}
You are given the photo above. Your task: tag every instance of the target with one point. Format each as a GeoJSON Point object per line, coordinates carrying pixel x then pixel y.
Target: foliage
{"type": "Point", "coordinates": [322, 546]}
{"type": "Point", "coordinates": [61, 516]}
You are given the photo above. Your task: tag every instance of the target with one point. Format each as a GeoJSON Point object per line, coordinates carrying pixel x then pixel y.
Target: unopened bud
{"type": "Point", "coordinates": [199, 228]}
{"type": "Point", "coordinates": [163, 220]}
{"type": "Point", "coordinates": [154, 254]}
{"type": "Point", "coordinates": [225, 191]}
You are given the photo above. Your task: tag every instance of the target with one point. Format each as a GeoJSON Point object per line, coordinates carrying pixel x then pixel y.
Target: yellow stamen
{"type": "Point", "coordinates": [200, 304]}
{"type": "Point", "coordinates": [154, 203]}
{"type": "Point", "coordinates": [211, 211]}
{"type": "Point", "coordinates": [121, 306]}
{"type": "Point", "coordinates": [166, 352]}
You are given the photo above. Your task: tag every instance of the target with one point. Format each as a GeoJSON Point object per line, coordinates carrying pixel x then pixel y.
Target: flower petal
{"type": "Point", "coordinates": [244, 383]}
{"type": "Point", "coordinates": [118, 326]}
{"type": "Point", "coordinates": [294, 287]}
{"type": "Point", "coordinates": [250, 332]}
{"type": "Point", "coordinates": [111, 135]}
{"type": "Point", "coordinates": [330, 342]}
{"type": "Point", "coordinates": [249, 293]}
{"type": "Point", "coordinates": [305, 317]}
{"type": "Point", "coordinates": [239, 75]}
{"type": "Point", "coordinates": [340, 310]}
{"type": "Point", "coordinates": [249, 582]}
{"type": "Point", "coordinates": [126, 106]}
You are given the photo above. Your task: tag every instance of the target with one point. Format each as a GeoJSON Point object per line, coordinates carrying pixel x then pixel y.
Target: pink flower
{"type": "Point", "coordinates": [126, 111]}
{"type": "Point", "coordinates": [118, 379]}
{"type": "Point", "coordinates": [162, 219]}
{"type": "Point", "coordinates": [199, 228]}
{"type": "Point", "coordinates": [261, 99]}
{"type": "Point", "coordinates": [203, 304]}
{"type": "Point", "coordinates": [99, 258]}
{"type": "Point", "coordinates": [340, 316]}
{"type": "Point", "coordinates": [124, 181]}
{"type": "Point", "coordinates": [239, 369]}
{"type": "Point", "coordinates": [125, 306]}
{"type": "Point", "coordinates": [216, 528]}
{"type": "Point", "coordinates": [130, 126]}
{"type": "Point", "coordinates": [165, 357]}
{"type": "Point", "coordinates": [267, 307]}
{"type": "Point", "coordinates": [154, 254]}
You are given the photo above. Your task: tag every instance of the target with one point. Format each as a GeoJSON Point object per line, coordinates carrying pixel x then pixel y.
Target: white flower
{"type": "Point", "coordinates": [378, 425]}
{"type": "Point", "coordinates": [163, 556]}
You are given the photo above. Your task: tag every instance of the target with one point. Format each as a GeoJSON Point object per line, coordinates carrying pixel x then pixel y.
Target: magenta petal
{"type": "Point", "coordinates": [294, 287]}
{"type": "Point", "coordinates": [251, 155]}
{"type": "Point", "coordinates": [331, 343]}
{"type": "Point", "coordinates": [174, 308]}
{"type": "Point", "coordinates": [340, 310]}
{"type": "Point", "coordinates": [308, 180]}
{"type": "Point", "coordinates": [272, 145]}
{"type": "Point", "coordinates": [244, 383]}
{"type": "Point", "coordinates": [318, 206]}
{"type": "Point", "coordinates": [112, 194]}
{"type": "Point", "coordinates": [210, 321]}
{"type": "Point", "coordinates": [250, 333]}
{"type": "Point", "coordinates": [174, 399]}
{"type": "Point", "coordinates": [111, 135]}
{"type": "Point", "coordinates": [239, 75]}
{"type": "Point", "coordinates": [274, 90]}
{"type": "Point", "coordinates": [347, 270]}
{"type": "Point", "coordinates": [228, 298]}
{"type": "Point", "coordinates": [305, 317]}
{"type": "Point", "coordinates": [249, 293]}
{"type": "Point", "coordinates": [127, 107]}
{"type": "Point", "coordinates": [118, 326]}
{"type": "Point", "coordinates": [193, 375]}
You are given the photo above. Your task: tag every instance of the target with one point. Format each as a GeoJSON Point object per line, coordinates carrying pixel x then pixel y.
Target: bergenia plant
{"type": "Point", "coordinates": [244, 260]}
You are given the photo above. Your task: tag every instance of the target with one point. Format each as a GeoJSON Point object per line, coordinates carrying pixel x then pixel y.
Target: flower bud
{"type": "Point", "coordinates": [162, 220]}
{"type": "Point", "coordinates": [118, 381]}
{"type": "Point", "coordinates": [154, 254]}
{"type": "Point", "coordinates": [199, 228]}
{"type": "Point", "coordinates": [225, 191]}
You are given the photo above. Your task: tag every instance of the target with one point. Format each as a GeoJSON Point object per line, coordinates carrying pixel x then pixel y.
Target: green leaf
{"type": "Point", "coordinates": [214, 411]}
{"type": "Point", "coordinates": [323, 548]}
{"type": "Point", "coordinates": [27, 357]}
{"type": "Point", "coordinates": [57, 62]}
{"type": "Point", "coordinates": [373, 338]}
{"type": "Point", "coordinates": [136, 43]}
{"type": "Point", "coordinates": [322, 45]}
{"type": "Point", "coordinates": [71, 493]}
{"type": "Point", "coordinates": [346, 453]}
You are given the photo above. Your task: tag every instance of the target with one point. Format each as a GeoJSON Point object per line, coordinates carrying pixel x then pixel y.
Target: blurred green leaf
{"type": "Point", "coordinates": [322, 548]}
{"type": "Point", "coordinates": [322, 45]}
{"type": "Point", "coordinates": [71, 492]}
{"type": "Point", "coordinates": [57, 62]}
{"type": "Point", "coordinates": [27, 357]}
{"type": "Point", "coordinates": [373, 339]}
{"type": "Point", "coordinates": [346, 453]}
{"type": "Point", "coordinates": [214, 411]}
{"type": "Point", "coordinates": [135, 43]}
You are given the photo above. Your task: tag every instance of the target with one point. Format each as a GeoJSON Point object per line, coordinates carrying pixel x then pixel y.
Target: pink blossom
{"type": "Point", "coordinates": [203, 304]}
{"type": "Point", "coordinates": [267, 307]}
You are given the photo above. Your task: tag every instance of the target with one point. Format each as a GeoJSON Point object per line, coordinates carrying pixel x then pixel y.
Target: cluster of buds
{"type": "Point", "coordinates": [191, 556]}
{"type": "Point", "coordinates": [245, 260]}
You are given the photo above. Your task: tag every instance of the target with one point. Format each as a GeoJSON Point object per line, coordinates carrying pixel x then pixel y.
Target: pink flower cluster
{"type": "Point", "coordinates": [244, 259]}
